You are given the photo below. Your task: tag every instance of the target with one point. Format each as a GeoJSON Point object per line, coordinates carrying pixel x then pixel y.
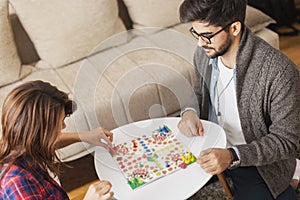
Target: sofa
{"type": "Point", "coordinates": [121, 61]}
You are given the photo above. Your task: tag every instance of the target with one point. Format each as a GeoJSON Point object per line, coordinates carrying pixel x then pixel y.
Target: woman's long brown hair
{"type": "Point", "coordinates": [31, 120]}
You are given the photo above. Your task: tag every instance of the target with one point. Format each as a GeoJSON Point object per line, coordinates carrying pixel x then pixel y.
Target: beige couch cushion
{"type": "Point", "coordinates": [64, 31]}
{"type": "Point", "coordinates": [156, 13]}
{"type": "Point", "coordinates": [269, 36]}
{"type": "Point", "coordinates": [10, 64]}
{"type": "Point", "coordinates": [257, 20]}
{"type": "Point", "coordinates": [153, 13]}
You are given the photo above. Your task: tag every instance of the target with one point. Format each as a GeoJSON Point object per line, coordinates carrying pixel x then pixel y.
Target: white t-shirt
{"type": "Point", "coordinates": [225, 93]}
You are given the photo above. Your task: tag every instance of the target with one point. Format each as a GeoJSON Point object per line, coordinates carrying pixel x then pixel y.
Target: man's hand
{"type": "Point", "coordinates": [190, 124]}
{"type": "Point", "coordinates": [214, 160]}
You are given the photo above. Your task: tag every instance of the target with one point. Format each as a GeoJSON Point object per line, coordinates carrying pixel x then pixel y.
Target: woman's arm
{"type": "Point", "coordinates": [98, 137]}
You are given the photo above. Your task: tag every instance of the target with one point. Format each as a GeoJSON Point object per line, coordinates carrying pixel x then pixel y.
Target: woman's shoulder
{"type": "Point", "coordinates": [18, 182]}
{"type": "Point", "coordinates": [15, 174]}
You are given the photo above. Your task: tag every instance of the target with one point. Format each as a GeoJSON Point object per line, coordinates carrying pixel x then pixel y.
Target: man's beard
{"type": "Point", "coordinates": [222, 50]}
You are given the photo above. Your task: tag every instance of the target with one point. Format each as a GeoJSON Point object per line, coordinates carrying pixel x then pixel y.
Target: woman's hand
{"type": "Point", "coordinates": [99, 191]}
{"type": "Point", "coordinates": [190, 124]}
{"type": "Point", "coordinates": [98, 136]}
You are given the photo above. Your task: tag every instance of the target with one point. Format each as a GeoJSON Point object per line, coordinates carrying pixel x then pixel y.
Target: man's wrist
{"type": "Point", "coordinates": [236, 151]}
{"type": "Point", "coordinates": [235, 161]}
{"type": "Point", "coordinates": [187, 109]}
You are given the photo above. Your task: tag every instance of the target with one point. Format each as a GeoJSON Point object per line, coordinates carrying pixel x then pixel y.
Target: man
{"type": "Point", "coordinates": [252, 91]}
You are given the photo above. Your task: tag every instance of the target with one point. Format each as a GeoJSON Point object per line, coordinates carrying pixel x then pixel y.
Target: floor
{"type": "Point", "coordinates": [78, 193]}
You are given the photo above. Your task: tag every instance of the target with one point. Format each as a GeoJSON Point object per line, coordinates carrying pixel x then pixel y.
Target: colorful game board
{"type": "Point", "coordinates": [145, 159]}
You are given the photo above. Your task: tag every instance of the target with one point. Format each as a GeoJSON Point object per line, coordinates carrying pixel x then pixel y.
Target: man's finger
{"type": "Point", "coordinates": [200, 128]}
{"type": "Point", "coordinates": [205, 152]}
{"type": "Point", "coordinates": [193, 130]}
{"type": "Point", "coordinates": [184, 128]}
{"type": "Point", "coordinates": [202, 160]}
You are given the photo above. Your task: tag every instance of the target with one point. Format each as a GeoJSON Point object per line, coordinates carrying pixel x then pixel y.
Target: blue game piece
{"type": "Point", "coordinates": [167, 164]}
{"type": "Point", "coordinates": [166, 129]}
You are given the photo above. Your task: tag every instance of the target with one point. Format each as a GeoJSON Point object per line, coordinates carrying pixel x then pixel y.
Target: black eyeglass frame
{"type": "Point", "coordinates": [202, 35]}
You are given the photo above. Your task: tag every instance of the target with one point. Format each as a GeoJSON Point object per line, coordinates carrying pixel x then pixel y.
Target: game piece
{"type": "Point", "coordinates": [145, 159]}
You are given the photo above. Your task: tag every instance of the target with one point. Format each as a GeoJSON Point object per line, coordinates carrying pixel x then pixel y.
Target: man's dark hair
{"type": "Point", "coordinates": [214, 12]}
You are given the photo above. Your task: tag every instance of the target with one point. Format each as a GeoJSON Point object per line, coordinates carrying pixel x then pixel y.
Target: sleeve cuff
{"type": "Point", "coordinates": [187, 109]}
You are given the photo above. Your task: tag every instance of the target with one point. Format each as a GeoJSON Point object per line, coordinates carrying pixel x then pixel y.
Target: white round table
{"type": "Point", "coordinates": [179, 185]}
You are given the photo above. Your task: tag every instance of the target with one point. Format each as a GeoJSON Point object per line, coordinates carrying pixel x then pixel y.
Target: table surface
{"type": "Point", "coordinates": [179, 185]}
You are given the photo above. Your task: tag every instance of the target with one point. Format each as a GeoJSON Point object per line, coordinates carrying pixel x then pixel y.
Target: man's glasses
{"type": "Point", "coordinates": [204, 36]}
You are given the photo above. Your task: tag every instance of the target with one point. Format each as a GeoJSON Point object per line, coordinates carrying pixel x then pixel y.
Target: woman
{"type": "Point", "coordinates": [32, 119]}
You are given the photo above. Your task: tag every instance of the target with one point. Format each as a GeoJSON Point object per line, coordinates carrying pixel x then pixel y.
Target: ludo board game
{"type": "Point", "coordinates": [145, 159]}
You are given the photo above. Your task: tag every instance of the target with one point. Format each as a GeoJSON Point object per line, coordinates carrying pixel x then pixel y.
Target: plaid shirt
{"type": "Point", "coordinates": [19, 183]}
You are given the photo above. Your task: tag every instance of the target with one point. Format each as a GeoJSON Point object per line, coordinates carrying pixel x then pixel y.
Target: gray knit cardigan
{"type": "Point", "coordinates": [268, 99]}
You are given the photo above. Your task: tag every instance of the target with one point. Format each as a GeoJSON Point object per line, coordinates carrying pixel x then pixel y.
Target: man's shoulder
{"type": "Point", "coordinates": [260, 54]}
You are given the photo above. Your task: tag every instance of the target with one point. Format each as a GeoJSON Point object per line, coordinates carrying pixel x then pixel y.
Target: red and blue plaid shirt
{"type": "Point", "coordinates": [20, 183]}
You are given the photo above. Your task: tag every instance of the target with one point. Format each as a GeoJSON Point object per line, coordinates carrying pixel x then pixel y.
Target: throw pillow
{"type": "Point", "coordinates": [64, 31]}
{"type": "Point", "coordinates": [10, 64]}
{"type": "Point", "coordinates": [153, 13]}
{"type": "Point", "coordinates": [257, 20]}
